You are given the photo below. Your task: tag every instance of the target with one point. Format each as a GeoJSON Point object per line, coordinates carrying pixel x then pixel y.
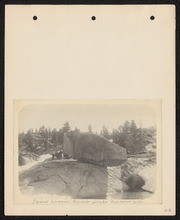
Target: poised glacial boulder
{"type": "Point", "coordinates": [65, 178]}
{"type": "Point", "coordinates": [95, 149]}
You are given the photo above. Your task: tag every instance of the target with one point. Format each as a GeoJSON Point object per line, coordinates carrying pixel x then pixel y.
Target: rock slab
{"type": "Point", "coordinates": [65, 178]}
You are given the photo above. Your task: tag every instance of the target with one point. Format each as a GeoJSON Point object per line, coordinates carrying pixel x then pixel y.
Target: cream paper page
{"type": "Point", "coordinates": [124, 59]}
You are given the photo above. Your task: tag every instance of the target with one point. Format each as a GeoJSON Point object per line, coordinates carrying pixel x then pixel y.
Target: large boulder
{"type": "Point", "coordinates": [65, 178]}
{"type": "Point", "coordinates": [95, 149]}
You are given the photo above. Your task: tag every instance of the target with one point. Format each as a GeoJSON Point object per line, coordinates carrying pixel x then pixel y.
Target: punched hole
{"type": "Point", "coordinates": [152, 17]}
{"type": "Point", "coordinates": [93, 18]}
{"type": "Point", "coordinates": [35, 18]}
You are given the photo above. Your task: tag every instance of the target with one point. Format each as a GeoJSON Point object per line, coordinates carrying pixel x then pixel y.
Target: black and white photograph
{"type": "Point", "coordinates": [89, 110]}
{"type": "Point", "coordinates": [87, 151]}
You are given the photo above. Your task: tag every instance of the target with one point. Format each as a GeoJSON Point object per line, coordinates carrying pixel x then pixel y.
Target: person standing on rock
{"type": "Point", "coordinates": [53, 154]}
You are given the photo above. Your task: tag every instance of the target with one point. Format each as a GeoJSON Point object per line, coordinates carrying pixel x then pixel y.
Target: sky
{"type": "Point", "coordinates": [81, 115]}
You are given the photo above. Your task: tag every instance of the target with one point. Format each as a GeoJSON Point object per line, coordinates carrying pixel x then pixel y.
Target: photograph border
{"type": "Point", "coordinates": [2, 100]}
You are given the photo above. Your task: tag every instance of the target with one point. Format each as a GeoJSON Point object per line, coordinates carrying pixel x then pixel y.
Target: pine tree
{"type": "Point", "coordinates": [105, 133]}
{"type": "Point", "coordinates": [54, 137]}
{"type": "Point", "coordinates": [90, 129]}
{"type": "Point", "coordinates": [66, 128]}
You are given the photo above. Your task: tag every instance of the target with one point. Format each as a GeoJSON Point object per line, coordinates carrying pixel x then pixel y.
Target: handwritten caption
{"type": "Point", "coordinates": [37, 201]}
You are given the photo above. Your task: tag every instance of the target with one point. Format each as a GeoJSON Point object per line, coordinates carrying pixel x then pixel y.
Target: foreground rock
{"type": "Point", "coordinates": [95, 149]}
{"type": "Point", "coordinates": [139, 173]}
{"type": "Point", "coordinates": [134, 179]}
{"type": "Point", "coordinates": [66, 178]}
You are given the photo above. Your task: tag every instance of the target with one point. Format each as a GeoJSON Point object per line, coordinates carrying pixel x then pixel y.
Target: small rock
{"type": "Point", "coordinates": [135, 182]}
{"type": "Point", "coordinates": [21, 160]}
